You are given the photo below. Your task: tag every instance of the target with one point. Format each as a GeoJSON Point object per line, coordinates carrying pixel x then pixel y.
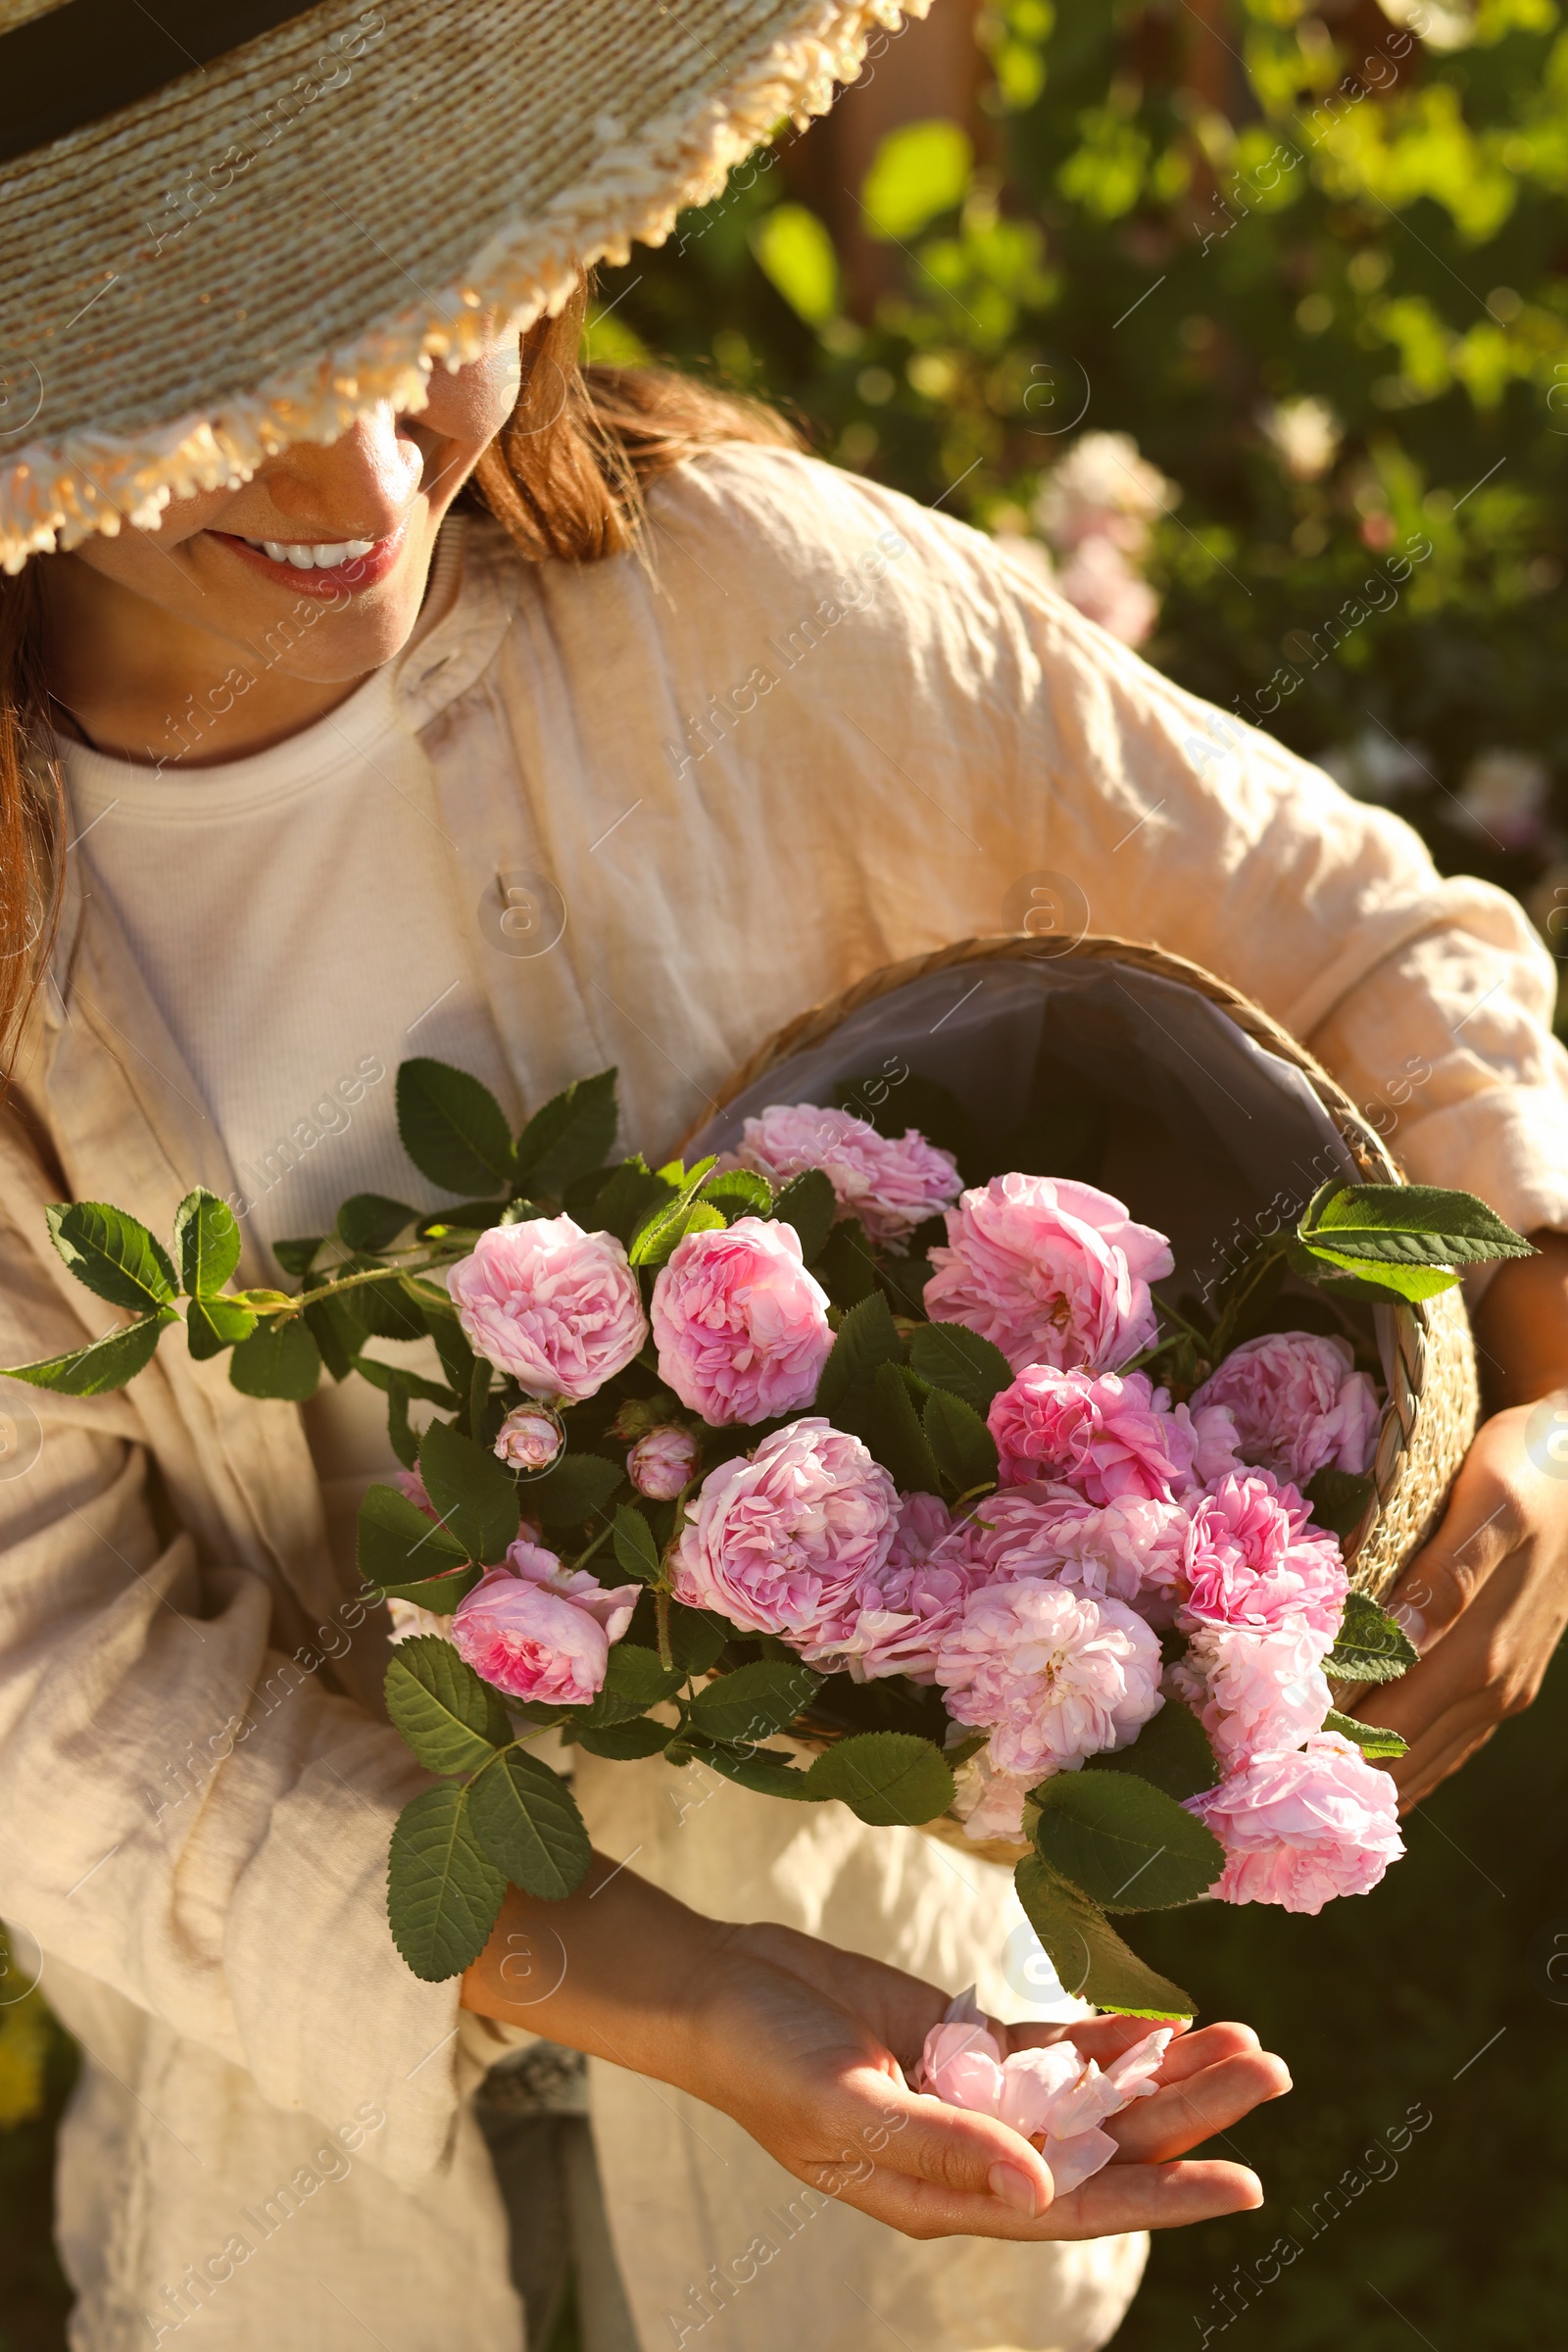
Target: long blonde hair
{"type": "Point", "coordinates": [565, 477]}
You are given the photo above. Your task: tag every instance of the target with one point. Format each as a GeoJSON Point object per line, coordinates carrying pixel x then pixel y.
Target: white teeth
{"type": "Point", "coordinates": [323, 558]}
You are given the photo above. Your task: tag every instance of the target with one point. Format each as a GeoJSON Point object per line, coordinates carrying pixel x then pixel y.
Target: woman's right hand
{"type": "Point", "coordinates": [810, 2048]}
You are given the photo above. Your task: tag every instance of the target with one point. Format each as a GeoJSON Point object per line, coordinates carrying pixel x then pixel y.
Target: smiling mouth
{"type": "Point", "coordinates": [314, 557]}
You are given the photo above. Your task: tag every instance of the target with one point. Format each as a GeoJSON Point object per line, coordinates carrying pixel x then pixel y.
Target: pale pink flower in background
{"type": "Point", "coordinates": [1103, 486]}
{"type": "Point", "coordinates": [1053, 2095]}
{"type": "Point", "coordinates": [785, 1541]}
{"type": "Point", "coordinates": [1052, 1272]}
{"type": "Point", "coordinates": [892, 1184]}
{"type": "Point", "coordinates": [1253, 1691]}
{"type": "Point", "coordinates": [529, 1439]}
{"type": "Point", "coordinates": [1051, 1674]}
{"type": "Point", "coordinates": [411, 1486]}
{"type": "Point", "coordinates": [1108, 1436]}
{"type": "Point", "coordinates": [741, 1327]}
{"type": "Point", "coordinates": [1298, 1403]}
{"type": "Point", "coordinates": [988, 1803]}
{"type": "Point", "coordinates": [1100, 582]}
{"type": "Point", "coordinates": [1299, 1828]}
{"type": "Point", "coordinates": [1254, 1558]}
{"type": "Point", "coordinates": [661, 1464]}
{"type": "Point", "coordinates": [555, 1307]}
{"type": "Point", "coordinates": [539, 1630]}
{"type": "Point", "coordinates": [915, 1598]}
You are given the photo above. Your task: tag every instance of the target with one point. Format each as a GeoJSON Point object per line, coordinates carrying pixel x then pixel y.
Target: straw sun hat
{"type": "Point", "coordinates": [231, 224]}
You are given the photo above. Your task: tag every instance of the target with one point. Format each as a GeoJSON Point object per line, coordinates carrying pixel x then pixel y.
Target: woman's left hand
{"type": "Point", "coordinates": [1486, 1600]}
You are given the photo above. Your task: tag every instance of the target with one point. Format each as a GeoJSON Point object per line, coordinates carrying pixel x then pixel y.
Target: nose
{"type": "Point", "coordinates": [359, 486]}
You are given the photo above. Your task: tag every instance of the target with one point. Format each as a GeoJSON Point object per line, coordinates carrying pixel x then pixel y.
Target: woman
{"type": "Point", "coordinates": [348, 775]}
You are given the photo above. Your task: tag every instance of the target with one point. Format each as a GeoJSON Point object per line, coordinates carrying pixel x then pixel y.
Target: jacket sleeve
{"type": "Point", "coordinates": [193, 1816]}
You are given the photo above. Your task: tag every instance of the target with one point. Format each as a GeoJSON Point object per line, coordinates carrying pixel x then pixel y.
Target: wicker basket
{"type": "Point", "coordinates": [1428, 1355]}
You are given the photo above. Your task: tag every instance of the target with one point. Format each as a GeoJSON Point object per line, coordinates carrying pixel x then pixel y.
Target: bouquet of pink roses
{"type": "Point", "coordinates": [851, 1480]}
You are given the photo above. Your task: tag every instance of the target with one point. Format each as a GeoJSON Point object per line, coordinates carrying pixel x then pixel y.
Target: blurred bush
{"type": "Point", "coordinates": [1309, 259]}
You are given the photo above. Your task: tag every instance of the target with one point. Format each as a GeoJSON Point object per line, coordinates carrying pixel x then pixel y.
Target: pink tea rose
{"type": "Point", "coordinates": [1253, 1690]}
{"type": "Point", "coordinates": [1132, 1551]}
{"type": "Point", "coordinates": [990, 1803]}
{"type": "Point", "coordinates": [1210, 1431]}
{"type": "Point", "coordinates": [1254, 1558]}
{"type": "Point", "coordinates": [915, 1598]}
{"type": "Point", "coordinates": [1300, 1827]}
{"type": "Point", "coordinates": [1053, 2095]}
{"type": "Point", "coordinates": [555, 1307]}
{"type": "Point", "coordinates": [1051, 1674]}
{"type": "Point", "coordinates": [529, 1439]}
{"type": "Point", "coordinates": [538, 1631]}
{"type": "Point", "coordinates": [741, 1327]}
{"type": "Point", "coordinates": [1052, 1272]}
{"type": "Point", "coordinates": [661, 1464]}
{"type": "Point", "coordinates": [784, 1540]}
{"type": "Point", "coordinates": [891, 1184]}
{"type": "Point", "coordinates": [1108, 1436]}
{"type": "Point", "coordinates": [1298, 1403]}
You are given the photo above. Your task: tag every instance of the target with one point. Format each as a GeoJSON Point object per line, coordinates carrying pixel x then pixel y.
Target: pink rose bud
{"type": "Point", "coordinates": [555, 1307]}
{"type": "Point", "coordinates": [741, 1327]}
{"type": "Point", "coordinates": [891, 1184]}
{"type": "Point", "coordinates": [660, 1465]}
{"type": "Point", "coordinates": [1303, 1827]}
{"type": "Point", "coordinates": [529, 1439]}
{"type": "Point", "coordinates": [538, 1631]}
{"type": "Point", "coordinates": [1051, 1271]}
{"type": "Point", "coordinates": [1298, 1403]}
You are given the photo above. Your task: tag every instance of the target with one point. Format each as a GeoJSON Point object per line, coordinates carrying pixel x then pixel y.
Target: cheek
{"type": "Point", "coordinates": [471, 406]}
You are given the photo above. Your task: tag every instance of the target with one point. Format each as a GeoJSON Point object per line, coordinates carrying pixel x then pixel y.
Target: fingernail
{"type": "Point", "coordinates": [1014, 2188]}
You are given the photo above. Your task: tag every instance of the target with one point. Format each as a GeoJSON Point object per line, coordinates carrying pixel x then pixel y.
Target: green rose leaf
{"type": "Point", "coordinates": [475, 1497]}
{"type": "Point", "coordinates": [281, 1359]}
{"type": "Point", "coordinates": [1369, 1738]}
{"type": "Point", "coordinates": [767, 1772]}
{"type": "Point", "coordinates": [1339, 1500]}
{"type": "Point", "coordinates": [103, 1364]}
{"type": "Point", "coordinates": [114, 1254]}
{"type": "Point", "coordinates": [738, 1193]}
{"type": "Point", "coordinates": [628, 1195]}
{"type": "Point", "coordinates": [576, 1489]}
{"type": "Point", "coordinates": [656, 1237]}
{"type": "Point", "coordinates": [572, 1136]}
{"type": "Point", "coordinates": [866, 1337]}
{"type": "Point", "coordinates": [696, 1638]}
{"type": "Point", "coordinates": [1370, 1646]}
{"type": "Point", "coordinates": [1365, 1277]}
{"type": "Point", "coordinates": [890, 1425]}
{"type": "Point", "coordinates": [453, 1128]}
{"type": "Point", "coordinates": [1416, 1224]}
{"type": "Point", "coordinates": [208, 1240]}
{"type": "Point", "coordinates": [443, 1894]}
{"type": "Point", "coordinates": [888, 1778]}
{"type": "Point", "coordinates": [369, 1222]}
{"type": "Point", "coordinates": [623, 1742]}
{"type": "Point", "coordinates": [809, 1203]}
{"type": "Point", "coordinates": [962, 1362]}
{"type": "Point", "coordinates": [528, 1826]}
{"type": "Point", "coordinates": [844, 1267]}
{"type": "Point", "coordinates": [296, 1254]}
{"type": "Point", "coordinates": [214, 1324]}
{"type": "Point", "coordinates": [963, 1446]}
{"type": "Point", "coordinates": [1087, 1953]}
{"type": "Point", "coordinates": [634, 1681]}
{"type": "Point", "coordinates": [1123, 1842]}
{"type": "Point", "coordinates": [452, 1720]}
{"type": "Point", "coordinates": [399, 1546]}
{"type": "Point", "coordinates": [636, 1550]}
{"type": "Point", "coordinates": [754, 1701]}
{"type": "Point", "coordinates": [1171, 1752]}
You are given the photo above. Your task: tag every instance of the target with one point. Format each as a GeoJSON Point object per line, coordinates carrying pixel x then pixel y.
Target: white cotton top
{"type": "Point", "coordinates": [320, 941]}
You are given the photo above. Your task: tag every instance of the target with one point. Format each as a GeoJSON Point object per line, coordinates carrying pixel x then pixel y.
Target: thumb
{"type": "Point", "coordinates": [966, 2154]}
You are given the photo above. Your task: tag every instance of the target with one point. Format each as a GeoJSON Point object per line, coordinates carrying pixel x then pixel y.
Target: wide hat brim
{"type": "Point", "coordinates": [263, 248]}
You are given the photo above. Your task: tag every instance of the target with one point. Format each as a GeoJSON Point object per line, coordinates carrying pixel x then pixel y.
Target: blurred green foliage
{"type": "Point", "coordinates": [1177, 225]}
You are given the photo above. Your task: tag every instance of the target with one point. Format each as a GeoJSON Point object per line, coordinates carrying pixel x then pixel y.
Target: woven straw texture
{"type": "Point", "coordinates": [262, 250]}
{"type": "Point", "coordinates": [1433, 1404]}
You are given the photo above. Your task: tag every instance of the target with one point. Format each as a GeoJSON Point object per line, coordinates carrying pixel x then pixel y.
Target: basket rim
{"type": "Point", "coordinates": [1412, 1322]}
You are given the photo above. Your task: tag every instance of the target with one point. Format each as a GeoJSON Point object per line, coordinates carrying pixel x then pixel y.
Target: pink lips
{"type": "Point", "coordinates": [357, 573]}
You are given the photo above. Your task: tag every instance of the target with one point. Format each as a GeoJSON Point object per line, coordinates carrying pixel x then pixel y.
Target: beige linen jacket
{"type": "Point", "coordinates": [823, 729]}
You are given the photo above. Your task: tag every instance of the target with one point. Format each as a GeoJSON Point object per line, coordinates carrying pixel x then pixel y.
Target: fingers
{"type": "Point", "coordinates": [1483, 1521]}
{"type": "Point", "coordinates": [1099, 2038]}
{"type": "Point", "coordinates": [1182, 2115]}
{"type": "Point", "coordinates": [1122, 2197]}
